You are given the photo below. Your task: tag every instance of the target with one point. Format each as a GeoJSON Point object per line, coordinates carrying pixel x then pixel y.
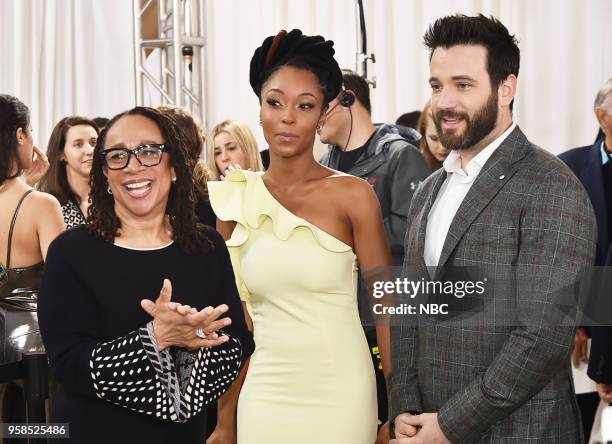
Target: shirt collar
{"type": "Point", "coordinates": [605, 158]}
{"type": "Point", "coordinates": [452, 164]}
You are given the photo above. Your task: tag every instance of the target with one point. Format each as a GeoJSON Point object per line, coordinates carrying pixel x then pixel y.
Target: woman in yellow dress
{"type": "Point", "coordinates": [294, 235]}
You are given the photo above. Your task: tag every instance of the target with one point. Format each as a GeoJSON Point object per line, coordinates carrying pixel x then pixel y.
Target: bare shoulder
{"type": "Point", "coordinates": [354, 191]}
{"type": "Point", "coordinates": [349, 184]}
{"type": "Point", "coordinates": [43, 207]}
{"type": "Point", "coordinates": [42, 200]}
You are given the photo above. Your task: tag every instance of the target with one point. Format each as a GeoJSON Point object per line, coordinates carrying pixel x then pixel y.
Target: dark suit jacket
{"type": "Point", "coordinates": [503, 375]}
{"type": "Point", "coordinates": [585, 162]}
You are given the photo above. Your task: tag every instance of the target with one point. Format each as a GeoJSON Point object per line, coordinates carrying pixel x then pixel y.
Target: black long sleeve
{"type": "Point", "coordinates": [100, 341]}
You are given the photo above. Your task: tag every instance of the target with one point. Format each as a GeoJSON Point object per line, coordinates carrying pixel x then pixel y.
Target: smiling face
{"type": "Point", "coordinates": [464, 105]}
{"type": "Point", "coordinates": [78, 150]}
{"type": "Point", "coordinates": [139, 192]}
{"type": "Point", "coordinates": [228, 152]}
{"type": "Point", "coordinates": [291, 109]}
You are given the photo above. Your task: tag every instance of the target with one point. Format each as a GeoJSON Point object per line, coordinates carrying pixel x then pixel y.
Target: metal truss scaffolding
{"type": "Point", "coordinates": [176, 29]}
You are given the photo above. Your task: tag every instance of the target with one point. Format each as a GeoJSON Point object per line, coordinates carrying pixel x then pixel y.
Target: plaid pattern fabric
{"type": "Point", "coordinates": [527, 221]}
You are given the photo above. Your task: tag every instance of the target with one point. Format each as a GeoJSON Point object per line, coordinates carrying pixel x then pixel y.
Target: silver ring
{"type": "Point", "coordinates": [200, 333]}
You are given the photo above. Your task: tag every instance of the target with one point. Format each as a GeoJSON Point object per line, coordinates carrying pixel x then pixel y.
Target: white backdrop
{"type": "Point", "coordinates": [75, 56]}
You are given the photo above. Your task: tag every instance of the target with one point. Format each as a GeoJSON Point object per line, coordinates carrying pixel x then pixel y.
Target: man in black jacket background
{"type": "Point", "coordinates": [592, 164]}
{"type": "Point", "coordinates": [385, 155]}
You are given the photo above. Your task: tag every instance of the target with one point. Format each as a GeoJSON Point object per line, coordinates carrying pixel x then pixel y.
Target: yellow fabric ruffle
{"type": "Point", "coordinates": [243, 197]}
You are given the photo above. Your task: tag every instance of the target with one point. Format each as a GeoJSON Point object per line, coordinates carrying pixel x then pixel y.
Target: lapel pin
{"type": "Point", "coordinates": [502, 177]}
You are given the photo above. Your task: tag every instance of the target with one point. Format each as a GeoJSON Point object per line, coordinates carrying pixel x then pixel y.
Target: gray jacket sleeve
{"type": "Point", "coordinates": [558, 235]}
{"type": "Point", "coordinates": [404, 393]}
{"type": "Point", "coordinates": [408, 169]}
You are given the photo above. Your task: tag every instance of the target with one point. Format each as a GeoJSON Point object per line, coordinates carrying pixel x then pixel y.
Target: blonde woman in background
{"type": "Point", "coordinates": [232, 145]}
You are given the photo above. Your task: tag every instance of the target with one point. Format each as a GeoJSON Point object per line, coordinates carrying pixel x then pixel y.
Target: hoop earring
{"type": "Point", "coordinates": [108, 190]}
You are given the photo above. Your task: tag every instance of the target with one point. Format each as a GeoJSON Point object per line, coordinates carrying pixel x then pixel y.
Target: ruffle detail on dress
{"type": "Point", "coordinates": [243, 197]}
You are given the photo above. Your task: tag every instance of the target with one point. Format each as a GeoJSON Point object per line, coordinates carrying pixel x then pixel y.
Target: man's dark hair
{"type": "Point", "coordinates": [503, 54]}
{"type": "Point", "coordinates": [101, 122]}
{"type": "Point", "coordinates": [410, 119]}
{"type": "Point", "coordinates": [360, 88]}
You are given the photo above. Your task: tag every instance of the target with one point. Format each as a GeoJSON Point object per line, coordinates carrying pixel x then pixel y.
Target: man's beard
{"type": "Point", "coordinates": [476, 129]}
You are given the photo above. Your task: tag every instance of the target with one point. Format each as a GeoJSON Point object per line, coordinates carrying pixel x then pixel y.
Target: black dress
{"type": "Point", "coordinates": [18, 323]}
{"type": "Point", "coordinates": [114, 385]}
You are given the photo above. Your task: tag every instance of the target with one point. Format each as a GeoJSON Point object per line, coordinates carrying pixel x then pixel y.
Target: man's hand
{"type": "Point", "coordinates": [418, 429]}
{"type": "Point", "coordinates": [403, 427]}
{"type": "Point", "coordinates": [605, 392]}
{"type": "Point", "coordinates": [580, 350]}
{"type": "Point", "coordinates": [383, 434]}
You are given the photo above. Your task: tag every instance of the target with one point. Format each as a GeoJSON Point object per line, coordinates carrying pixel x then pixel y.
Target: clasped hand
{"type": "Point", "coordinates": [175, 324]}
{"type": "Point", "coordinates": [418, 429]}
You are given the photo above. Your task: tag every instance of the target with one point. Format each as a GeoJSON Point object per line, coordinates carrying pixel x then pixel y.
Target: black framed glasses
{"type": "Point", "coordinates": [149, 155]}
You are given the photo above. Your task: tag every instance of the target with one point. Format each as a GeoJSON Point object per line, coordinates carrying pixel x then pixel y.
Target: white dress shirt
{"type": "Point", "coordinates": [451, 194]}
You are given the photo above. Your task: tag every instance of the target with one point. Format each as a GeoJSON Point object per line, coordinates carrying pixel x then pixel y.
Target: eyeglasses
{"type": "Point", "coordinates": [148, 155]}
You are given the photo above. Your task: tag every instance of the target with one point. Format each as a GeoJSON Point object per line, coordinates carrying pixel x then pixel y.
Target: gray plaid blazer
{"type": "Point", "coordinates": [527, 221]}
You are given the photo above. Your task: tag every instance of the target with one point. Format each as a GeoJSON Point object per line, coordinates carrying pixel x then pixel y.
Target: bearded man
{"type": "Point", "coordinates": [500, 372]}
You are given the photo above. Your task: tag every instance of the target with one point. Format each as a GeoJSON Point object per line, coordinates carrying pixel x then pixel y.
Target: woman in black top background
{"type": "Point", "coordinates": [70, 154]}
{"type": "Point", "coordinates": [122, 377]}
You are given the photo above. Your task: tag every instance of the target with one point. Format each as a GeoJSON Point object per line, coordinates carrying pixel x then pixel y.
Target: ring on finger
{"type": "Point", "coordinates": [200, 333]}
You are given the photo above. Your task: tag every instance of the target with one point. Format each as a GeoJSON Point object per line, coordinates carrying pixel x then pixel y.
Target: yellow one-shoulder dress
{"type": "Point", "coordinates": [311, 378]}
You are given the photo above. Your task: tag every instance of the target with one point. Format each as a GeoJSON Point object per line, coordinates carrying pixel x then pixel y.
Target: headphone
{"type": "Point", "coordinates": [347, 98]}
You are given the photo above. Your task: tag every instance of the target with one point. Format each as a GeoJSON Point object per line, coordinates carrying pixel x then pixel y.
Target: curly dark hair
{"type": "Point", "coordinates": [190, 236]}
{"type": "Point", "coordinates": [312, 53]}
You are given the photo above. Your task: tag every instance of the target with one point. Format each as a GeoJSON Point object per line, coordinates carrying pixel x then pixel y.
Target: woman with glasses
{"type": "Point", "coordinates": [70, 154]}
{"type": "Point", "coordinates": [121, 376]}
{"type": "Point", "coordinates": [29, 221]}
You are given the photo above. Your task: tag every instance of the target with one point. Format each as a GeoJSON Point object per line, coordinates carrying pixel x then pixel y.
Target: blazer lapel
{"type": "Point", "coordinates": [422, 218]}
{"type": "Point", "coordinates": [414, 262]}
{"type": "Point", "coordinates": [496, 172]}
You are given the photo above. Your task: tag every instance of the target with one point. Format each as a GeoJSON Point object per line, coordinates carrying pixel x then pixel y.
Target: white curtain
{"type": "Point", "coordinates": [566, 55]}
{"type": "Point", "coordinates": [66, 57]}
